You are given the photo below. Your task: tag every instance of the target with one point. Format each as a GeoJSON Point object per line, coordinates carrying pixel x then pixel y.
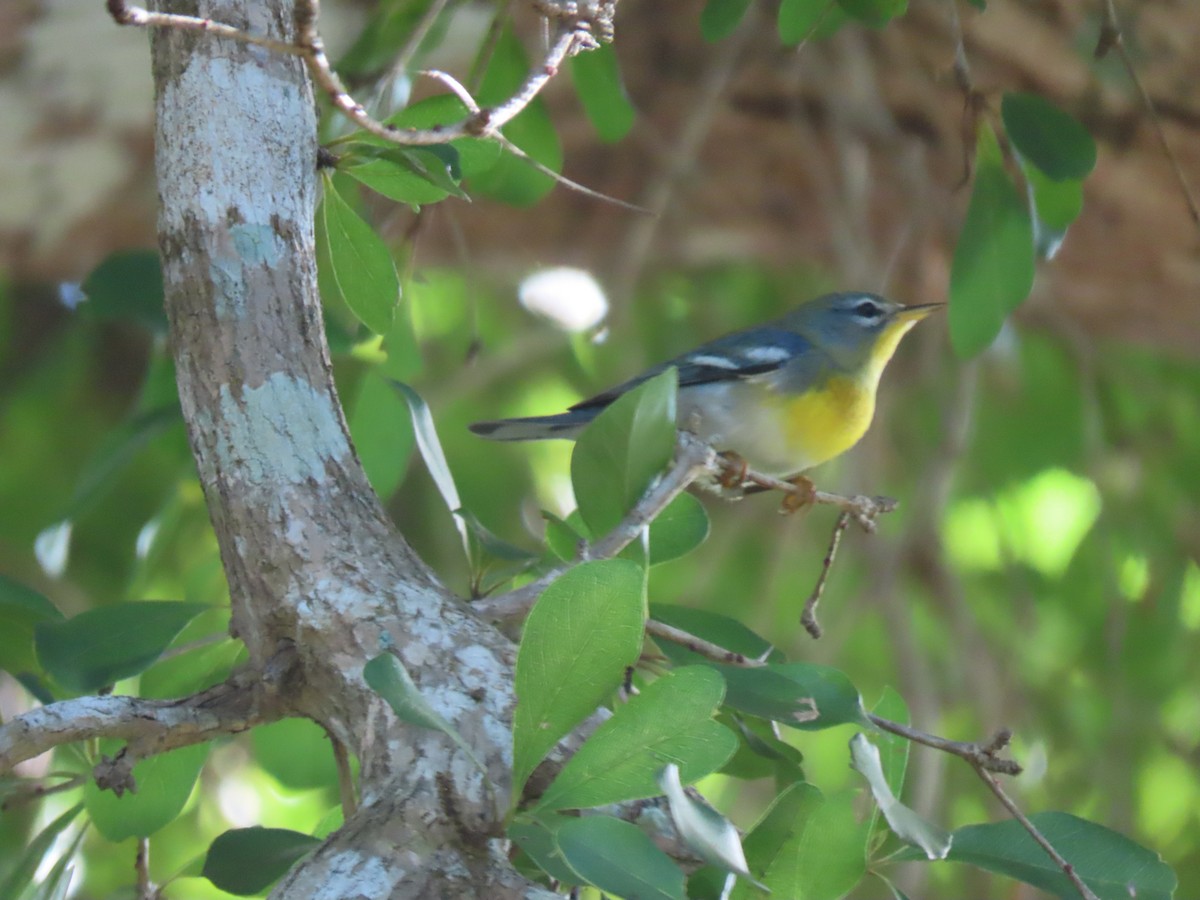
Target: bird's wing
{"type": "Point", "coordinates": [743, 354]}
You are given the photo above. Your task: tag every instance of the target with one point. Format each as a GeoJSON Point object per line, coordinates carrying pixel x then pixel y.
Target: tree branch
{"type": "Point", "coordinates": [150, 726]}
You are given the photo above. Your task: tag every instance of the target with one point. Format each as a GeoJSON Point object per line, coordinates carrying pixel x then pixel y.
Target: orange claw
{"type": "Point", "coordinates": [734, 471]}
{"type": "Point", "coordinates": [802, 497]}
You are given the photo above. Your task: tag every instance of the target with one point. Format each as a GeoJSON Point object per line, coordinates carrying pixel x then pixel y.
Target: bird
{"type": "Point", "coordinates": [783, 396]}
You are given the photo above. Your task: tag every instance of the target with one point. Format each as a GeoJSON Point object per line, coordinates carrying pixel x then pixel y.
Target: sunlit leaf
{"type": "Point", "coordinates": [164, 783]}
{"type": "Point", "coordinates": [361, 265]}
{"type": "Point", "coordinates": [580, 637]}
{"type": "Point", "coordinates": [780, 830]}
{"type": "Point", "coordinates": [245, 861]}
{"type": "Point", "coordinates": [671, 719]}
{"type": "Point", "coordinates": [103, 645]}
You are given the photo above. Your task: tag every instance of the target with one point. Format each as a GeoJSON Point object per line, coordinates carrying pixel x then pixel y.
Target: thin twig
{"type": "Point", "coordinates": [707, 649]}
{"type": "Point", "coordinates": [693, 458]}
{"type": "Point", "coordinates": [1111, 36]}
{"type": "Point", "coordinates": [808, 618]}
{"type": "Point", "coordinates": [982, 755]}
{"type": "Point", "coordinates": [409, 50]}
{"type": "Point", "coordinates": [864, 510]}
{"type": "Point", "coordinates": [1069, 870]}
{"type": "Point", "coordinates": [37, 790]}
{"type": "Point", "coordinates": [573, 34]}
{"type": "Point", "coordinates": [141, 864]}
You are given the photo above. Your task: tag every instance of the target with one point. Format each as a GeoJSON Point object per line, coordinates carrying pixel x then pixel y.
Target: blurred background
{"type": "Point", "coordinates": [1041, 572]}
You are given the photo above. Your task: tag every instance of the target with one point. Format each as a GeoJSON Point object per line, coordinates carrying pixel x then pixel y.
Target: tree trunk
{"type": "Point", "coordinates": [319, 579]}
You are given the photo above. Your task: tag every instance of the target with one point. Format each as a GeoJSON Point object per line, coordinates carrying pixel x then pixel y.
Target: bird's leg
{"type": "Point", "coordinates": [803, 494]}
{"type": "Point", "coordinates": [734, 469]}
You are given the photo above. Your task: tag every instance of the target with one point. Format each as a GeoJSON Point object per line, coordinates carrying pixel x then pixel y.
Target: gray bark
{"type": "Point", "coordinates": [319, 578]}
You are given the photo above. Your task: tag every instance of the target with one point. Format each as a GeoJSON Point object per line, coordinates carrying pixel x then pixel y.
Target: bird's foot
{"type": "Point", "coordinates": [802, 494]}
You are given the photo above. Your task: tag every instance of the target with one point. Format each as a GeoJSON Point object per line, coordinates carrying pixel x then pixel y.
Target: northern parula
{"type": "Point", "coordinates": [785, 396]}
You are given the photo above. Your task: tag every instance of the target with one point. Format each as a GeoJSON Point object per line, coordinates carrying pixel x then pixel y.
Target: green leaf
{"type": "Point", "coordinates": [430, 446]}
{"type": "Point", "coordinates": [246, 861]}
{"type": "Point", "coordinates": [781, 828]}
{"type": "Point", "coordinates": [992, 271]}
{"type": "Point", "coordinates": [197, 669]}
{"type": "Point", "coordinates": [396, 181]}
{"type": "Point", "coordinates": [382, 430]}
{"type": "Point", "coordinates": [1114, 867]}
{"type": "Point", "coordinates": [119, 448]}
{"type": "Point", "coordinates": [678, 530]}
{"type": "Point", "coordinates": [1048, 137]}
{"type": "Point", "coordinates": [296, 752]}
{"type": "Point", "coordinates": [1055, 205]}
{"type": "Point", "coordinates": [713, 837]}
{"type": "Point", "coordinates": [597, 80]}
{"type": "Point", "coordinates": [514, 180]}
{"type": "Point", "coordinates": [127, 287]}
{"type": "Point", "coordinates": [800, 20]}
{"type": "Point", "coordinates": [893, 749]}
{"type": "Point", "coordinates": [670, 721]}
{"type": "Point", "coordinates": [721, 17]}
{"type": "Point", "coordinates": [715, 628]}
{"type": "Point", "coordinates": [387, 677]}
{"type": "Point", "coordinates": [101, 646]}
{"type": "Point", "coordinates": [475, 155]}
{"type": "Point", "coordinates": [622, 450]}
{"type": "Point", "coordinates": [164, 783]}
{"type": "Point", "coordinates": [35, 854]}
{"type": "Point", "coordinates": [361, 265]}
{"type": "Point", "coordinates": [563, 537]}
{"type": "Point", "coordinates": [21, 608]}
{"type": "Point", "coordinates": [824, 856]}
{"type": "Point", "coordinates": [933, 840]}
{"type": "Point", "coordinates": [537, 838]}
{"type": "Point", "coordinates": [582, 634]}
{"type": "Point", "coordinates": [618, 858]}
{"type": "Point", "coordinates": [805, 696]}
{"type": "Point", "coordinates": [875, 13]}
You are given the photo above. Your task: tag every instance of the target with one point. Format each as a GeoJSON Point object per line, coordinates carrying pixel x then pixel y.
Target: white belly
{"type": "Point", "coordinates": [724, 417]}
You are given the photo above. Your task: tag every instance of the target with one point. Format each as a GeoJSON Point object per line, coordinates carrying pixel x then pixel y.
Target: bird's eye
{"type": "Point", "coordinates": [868, 309]}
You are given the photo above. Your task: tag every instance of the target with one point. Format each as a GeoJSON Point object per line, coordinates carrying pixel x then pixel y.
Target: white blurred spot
{"type": "Point", "coordinates": [52, 546]}
{"type": "Point", "coordinates": [145, 538]}
{"type": "Point", "coordinates": [70, 294]}
{"type": "Point", "coordinates": [238, 800]}
{"type": "Point", "coordinates": [570, 298]}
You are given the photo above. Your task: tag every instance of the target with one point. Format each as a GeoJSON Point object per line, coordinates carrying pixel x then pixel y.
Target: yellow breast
{"type": "Point", "coordinates": [826, 421]}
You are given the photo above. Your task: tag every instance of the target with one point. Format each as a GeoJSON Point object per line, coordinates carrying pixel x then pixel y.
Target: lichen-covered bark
{"type": "Point", "coordinates": [315, 568]}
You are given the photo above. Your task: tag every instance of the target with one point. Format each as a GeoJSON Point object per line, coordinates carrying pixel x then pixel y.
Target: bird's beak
{"type": "Point", "coordinates": [917, 313]}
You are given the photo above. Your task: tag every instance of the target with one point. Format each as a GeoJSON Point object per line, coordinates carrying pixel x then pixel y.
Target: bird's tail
{"type": "Point", "coordinates": [536, 428]}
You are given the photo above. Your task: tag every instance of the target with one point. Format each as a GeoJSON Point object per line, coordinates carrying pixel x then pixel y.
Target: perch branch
{"type": "Point", "coordinates": [707, 649]}
{"type": "Point", "coordinates": [693, 458]}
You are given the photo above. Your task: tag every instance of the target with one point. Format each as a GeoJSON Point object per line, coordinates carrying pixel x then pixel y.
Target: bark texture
{"type": "Point", "coordinates": [319, 578]}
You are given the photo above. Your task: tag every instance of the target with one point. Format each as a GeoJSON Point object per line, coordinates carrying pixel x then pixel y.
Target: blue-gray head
{"type": "Point", "coordinates": [857, 330]}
